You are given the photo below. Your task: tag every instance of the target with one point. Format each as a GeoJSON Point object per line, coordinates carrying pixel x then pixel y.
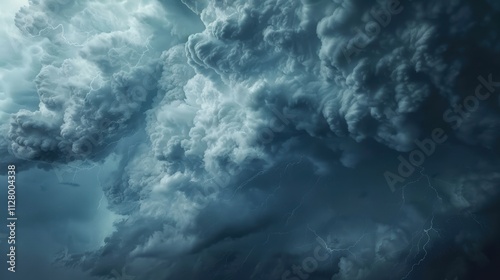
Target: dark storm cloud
{"type": "Point", "coordinates": [268, 128]}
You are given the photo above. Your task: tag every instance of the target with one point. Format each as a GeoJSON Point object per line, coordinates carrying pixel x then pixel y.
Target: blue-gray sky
{"type": "Point", "coordinates": [213, 139]}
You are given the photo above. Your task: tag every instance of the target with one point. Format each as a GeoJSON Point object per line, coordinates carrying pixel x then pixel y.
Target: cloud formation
{"type": "Point", "coordinates": [255, 128]}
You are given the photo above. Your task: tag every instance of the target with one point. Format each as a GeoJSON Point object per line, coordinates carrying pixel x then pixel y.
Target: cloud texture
{"type": "Point", "coordinates": [248, 133]}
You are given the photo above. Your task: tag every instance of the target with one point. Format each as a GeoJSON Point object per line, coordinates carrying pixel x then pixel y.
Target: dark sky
{"type": "Point", "coordinates": [257, 139]}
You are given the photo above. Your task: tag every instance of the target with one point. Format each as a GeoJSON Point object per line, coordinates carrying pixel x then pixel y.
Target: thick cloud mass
{"type": "Point", "coordinates": [248, 135]}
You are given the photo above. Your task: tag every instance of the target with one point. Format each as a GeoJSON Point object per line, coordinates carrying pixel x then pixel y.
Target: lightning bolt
{"type": "Point", "coordinates": [147, 46]}
{"type": "Point", "coordinates": [302, 200]}
{"type": "Point", "coordinates": [429, 184]}
{"type": "Point", "coordinates": [248, 255]}
{"type": "Point", "coordinates": [468, 213]}
{"type": "Point", "coordinates": [62, 34]}
{"type": "Point", "coordinates": [473, 217]}
{"type": "Point", "coordinates": [288, 165]}
{"type": "Point", "coordinates": [247, 182]}
{"type": "Point", "coordinates": [337, 250]}
{"type": "Point", "coordinates": [100, 201]}
{"type": "Point", "coordinates": [424, 234]}
{"type": "Point", "coordinates": [427, 236]}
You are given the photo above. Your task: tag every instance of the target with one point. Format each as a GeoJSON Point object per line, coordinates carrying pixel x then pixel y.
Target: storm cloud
{"type": "Point", "coordinates": [244, 139]}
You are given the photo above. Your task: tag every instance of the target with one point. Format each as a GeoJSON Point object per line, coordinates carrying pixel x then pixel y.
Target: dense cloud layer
{"type": "Point", "coordinates": [252, 136]}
